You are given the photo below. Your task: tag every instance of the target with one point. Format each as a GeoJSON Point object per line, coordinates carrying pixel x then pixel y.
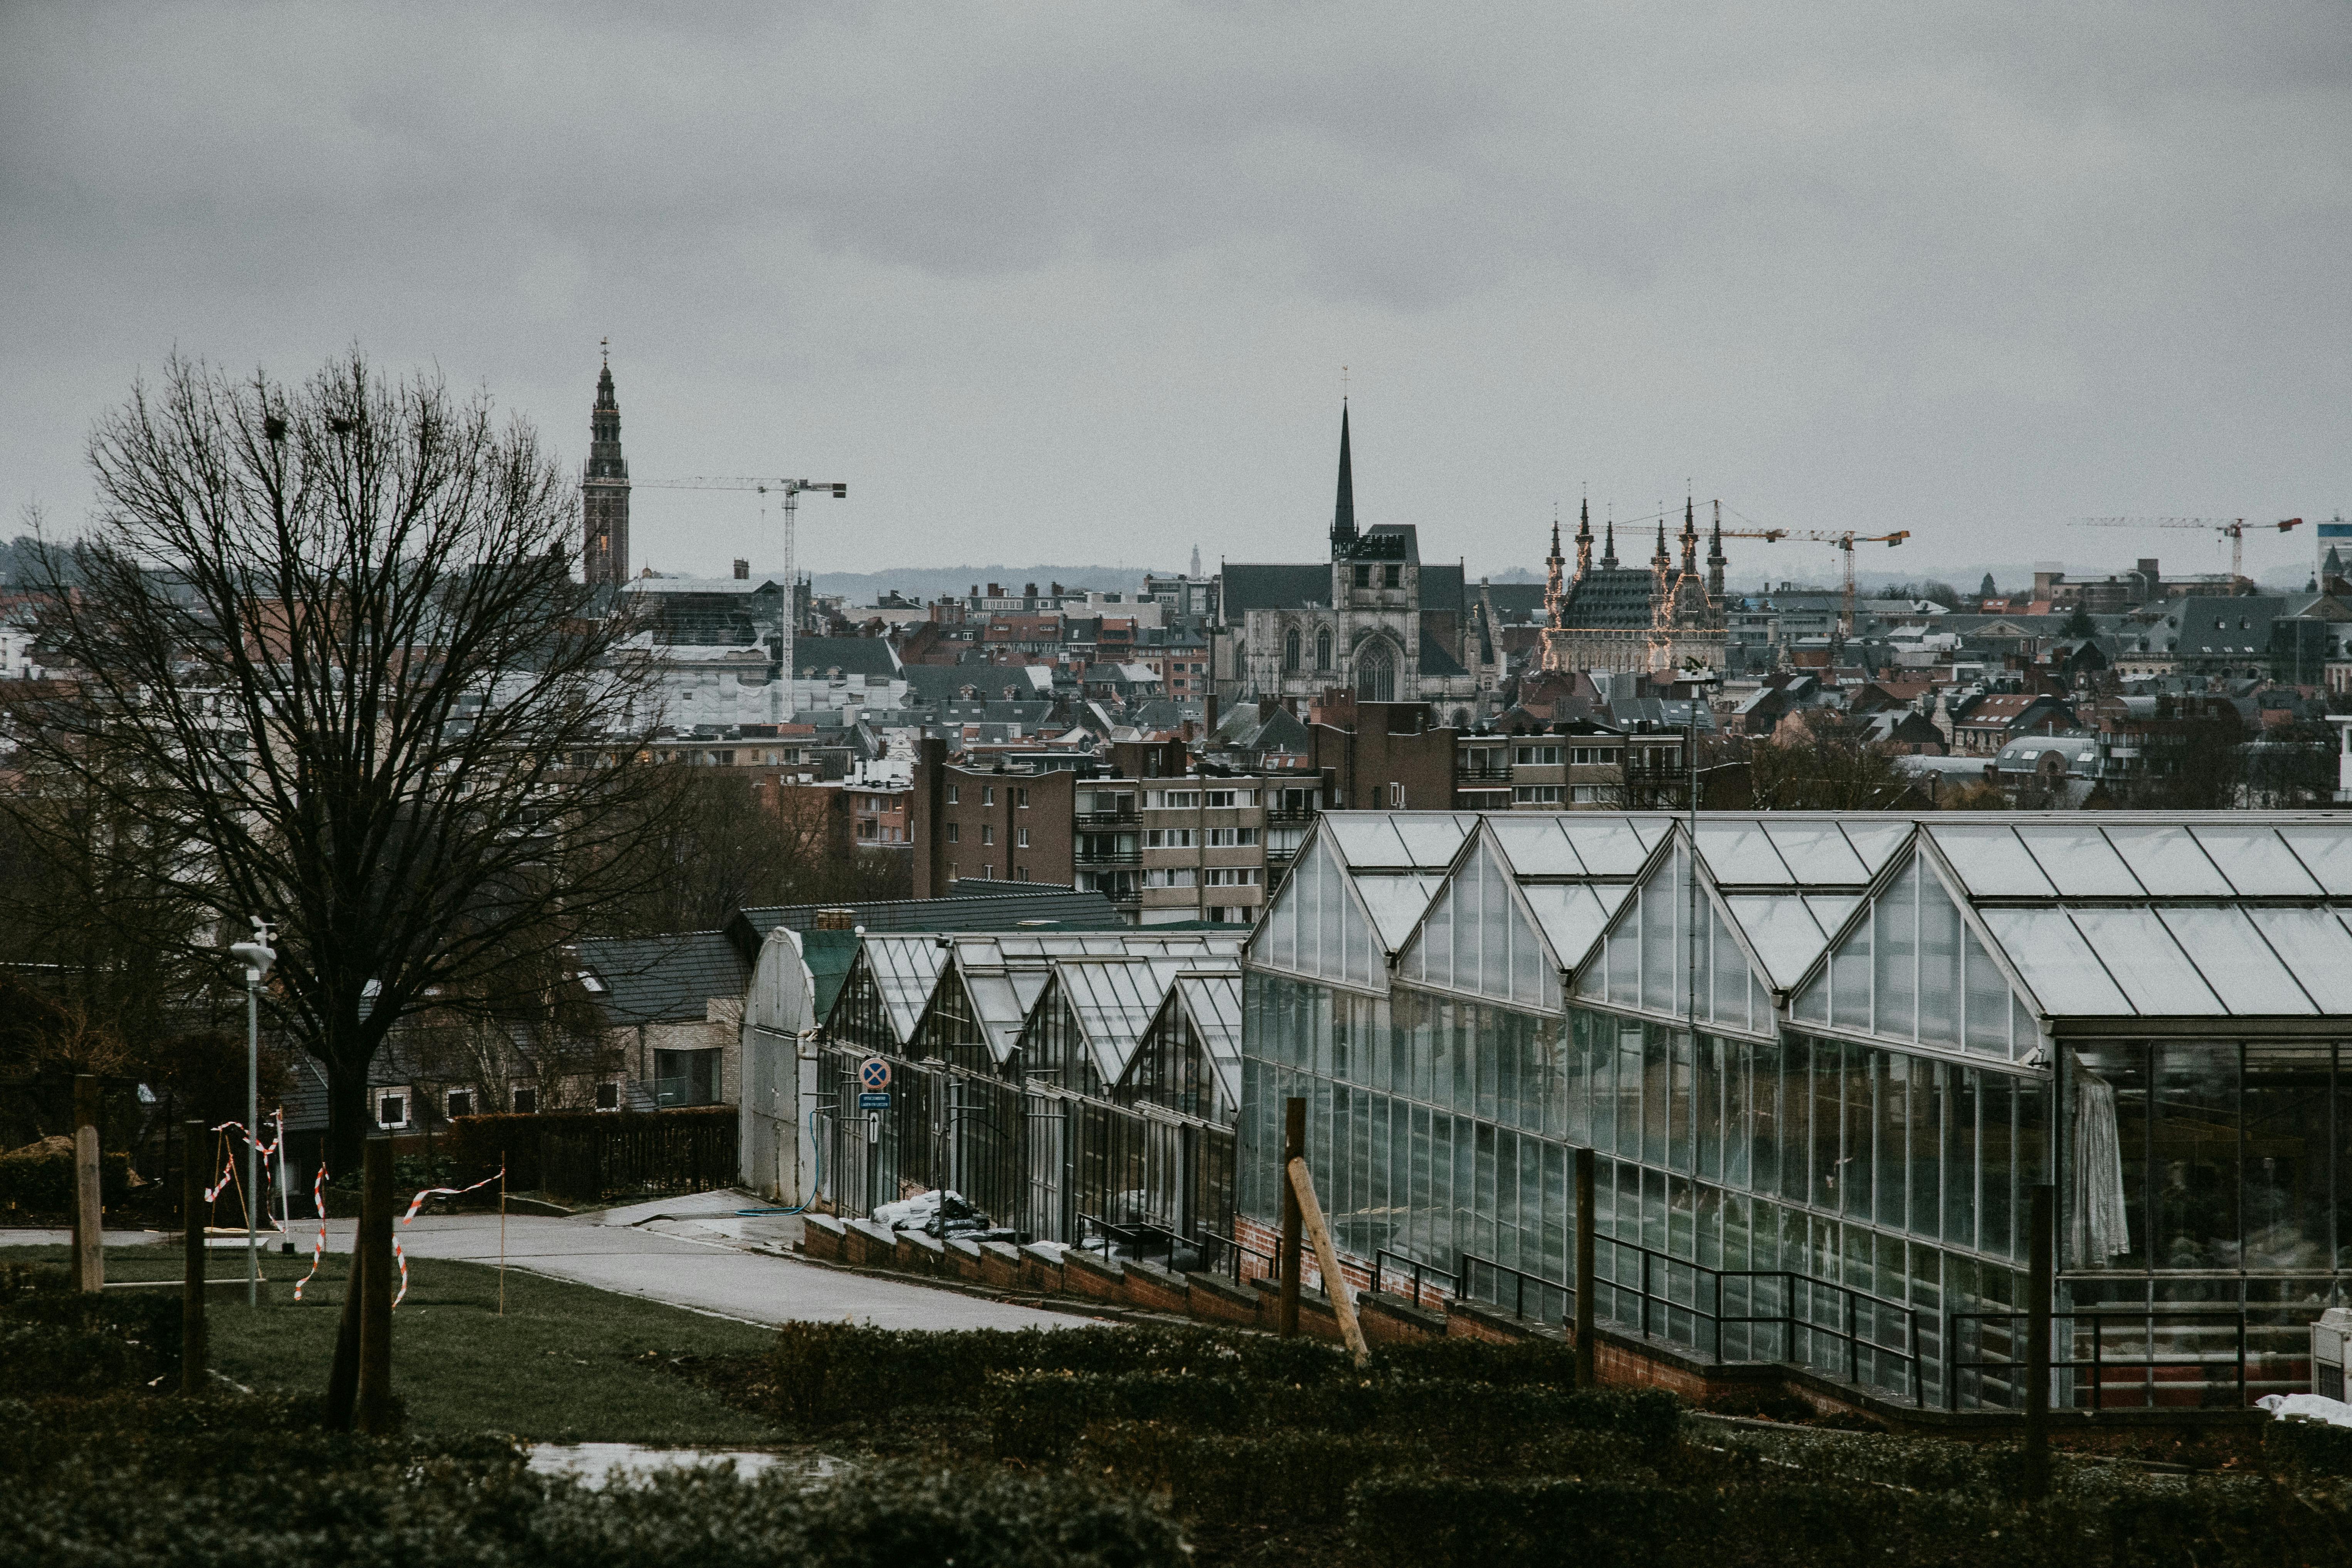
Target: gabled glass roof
{"type": "Point", "coordinates": [2093, 859]}
{"type": "Point", "coordinates": [1574, 915]}
{"type": "Point", "coordinates": [1788, 930]}
{"type": "Point", "coordinates": [906, 970]}
{"type": "Point", "coordinates": [1743, 852]}
{"type": "Point", "coordinates": [1397, 902]}
{"type": "Point", "coordinates": [1397, 840]}
{"type": "Point", "coordinates": [1114, 1002]}
{"type": "Point", "coordinates": [1214, 1002]}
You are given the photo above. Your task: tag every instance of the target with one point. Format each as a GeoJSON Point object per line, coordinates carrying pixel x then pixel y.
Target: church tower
{"type": "Point", "coordinates": [604, 492]}
{"type": "Point", "coordinates": [1343, 509]}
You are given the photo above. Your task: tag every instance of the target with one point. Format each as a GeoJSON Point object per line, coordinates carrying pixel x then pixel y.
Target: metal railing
{"type": "Point", "coordinates": [1137, 1238]}
{"type": "Point", "coordinates": [1229, 1260]}
{"type": "Point", "coordinates": [1383, 1257]}
{"type": "Point", "coordinates": [2070, 1326]}
{"type": "Point", "coordinates": [1106, 818]}
{"type": "Point", "coordinates": [1707, 1285]}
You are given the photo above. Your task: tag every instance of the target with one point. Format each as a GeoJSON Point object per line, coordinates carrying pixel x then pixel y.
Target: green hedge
{"type": "Point", "coordinates": [2308, 1445]}
{"type": "Point", "coordinates": [392, 1506]}
{"type": "Point", "coordinates": [39, 1177]}
{"type": "Point", "coordinates": [821, 1374]}
{"type": "Point", "coordinates": [56, 1340]}
{"type": "Point", "coordinates": [2125, 1521]}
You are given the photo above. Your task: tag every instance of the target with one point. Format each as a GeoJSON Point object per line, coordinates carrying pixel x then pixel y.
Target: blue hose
{"type": "Point", "coordinates": [797, 1209]}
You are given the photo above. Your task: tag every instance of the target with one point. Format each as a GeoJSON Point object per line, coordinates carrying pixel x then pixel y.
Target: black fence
{"type": "Point", "coordinates": [1052, 1166]}
{"type": "Point", "coordinates": [593, 1155]}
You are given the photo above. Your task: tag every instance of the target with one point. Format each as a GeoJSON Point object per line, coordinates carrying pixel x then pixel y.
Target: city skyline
{"type": "Point", "coordinates": [1973, 272]}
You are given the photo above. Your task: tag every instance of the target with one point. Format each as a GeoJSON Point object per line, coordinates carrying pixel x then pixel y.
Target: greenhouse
{"type": "Point", "coordinates": [1822, 1061]}
{"type": "Point", "coordinates": [1072, 1084]}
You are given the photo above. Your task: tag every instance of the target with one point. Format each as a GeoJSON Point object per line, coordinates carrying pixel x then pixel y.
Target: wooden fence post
{"type": "Point", "coordinates": [2041, 1285]}
{"type": "Point", "coordinates": [1587, 1352]}
{"type": "Point", "coordinates": [193, 1348]}
{"type": "Point", "coordinates": [89, 1253]}
{"type": "Point", "coordinates": [372, 1409]}
{"type": "Point", "coordinates": [1327, 1257]}
{"type": "Point", "coordinates": [1294, 1147]}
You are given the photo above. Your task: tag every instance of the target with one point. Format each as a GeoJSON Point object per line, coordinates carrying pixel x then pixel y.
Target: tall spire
{"type": "Point", "coordinates": [605, 489]}
{"type": "Point", "coordinates": [1660, 562]}
{"type": "Point", "coordinates": [1714, 558]}
{"type": "Point", "coordinates": [1690, 539]}
{"type": "Point", "coordinates": [1555, 590]}
{"type": "Point", "coordinates": [1609, 544]}
{"type": "Point", "coordinates": [1584, 538]}
{"type": "Point", "coordinates": [1343, 510]}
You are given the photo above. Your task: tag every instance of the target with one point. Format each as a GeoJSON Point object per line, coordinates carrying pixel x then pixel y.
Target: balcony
{"type": "Point", "coordinates": [1104, 818]}
{"type": "Point", "coordinates": [1281, 813]}
{"type": "Point", "coordinates": [1482, 773]}
{"type": "Point", "coordinates": [1109, 855]}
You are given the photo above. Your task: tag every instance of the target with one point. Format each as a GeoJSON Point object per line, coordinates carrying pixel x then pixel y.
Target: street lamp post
{"type": "Point", "coordinates": [257, 957]}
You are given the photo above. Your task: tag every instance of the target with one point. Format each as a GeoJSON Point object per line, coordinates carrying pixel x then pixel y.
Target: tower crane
{"type": "Point", "coordinates": [791, 490]}
{"type": "Point", "coordinates": [1844, 540]}
{"type": "Point", "coordinates": [2233, 528]}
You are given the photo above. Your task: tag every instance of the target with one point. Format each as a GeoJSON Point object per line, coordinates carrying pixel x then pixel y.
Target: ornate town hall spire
{"type": "Point", "coordinates": [604, 492]}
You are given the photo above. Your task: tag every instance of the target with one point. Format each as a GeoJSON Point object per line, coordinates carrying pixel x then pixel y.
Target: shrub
{"type": "Point", "coordinates": [55, 1340]}
{"type": "Point", "coordinates": [39, 1177]}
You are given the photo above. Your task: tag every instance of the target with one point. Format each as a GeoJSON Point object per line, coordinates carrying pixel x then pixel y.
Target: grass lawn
{"type": "Point", "coordinates": [566, 1363]}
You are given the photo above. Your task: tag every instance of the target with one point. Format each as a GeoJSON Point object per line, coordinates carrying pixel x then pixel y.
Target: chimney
{"type": "Point", "coordinates": [836, 919]}
{"type": "Point", "coordinates": [1209, 722]}
{"type": "Point", "coordinates": [743, 571]}
{"type": "Point", "coordinates": [1029, 591]}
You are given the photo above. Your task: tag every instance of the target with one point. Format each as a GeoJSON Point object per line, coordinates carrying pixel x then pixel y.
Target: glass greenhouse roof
{"type": "Point", "coordinates": [1214, 1002]}
{"type": "Point", "coordinates": [906, 970]}
{"type": "Point", "coordinates": [2087, 859]}
{"type": "Point", "coordinates": [1115, 1001]}
{"type": "Point", "coordinates": [2191, 915]}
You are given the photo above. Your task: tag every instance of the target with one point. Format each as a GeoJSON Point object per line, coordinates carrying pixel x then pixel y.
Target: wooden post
{"type": "Point", "coordinates": [1294, 1147]}
{"type": "Point", "coordinates": [372, 1411]}
{"type": "Point", "coordinates": [192, 1297]}
{"type": "Point", "coordinates": [1327, 1258]}
{"type": "Point", "coordinates": [343, 1378]}
{"type": "Point", "coordinates": [2041, 1284]}
{"type": "Point", "coordinates": [1587, 1356]}
{"type": "Point", "coordinates": [90, 1253]}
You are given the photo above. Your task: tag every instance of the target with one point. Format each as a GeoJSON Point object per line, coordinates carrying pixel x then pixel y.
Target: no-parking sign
{"type": "Point", "coordinates": [873, 1075]}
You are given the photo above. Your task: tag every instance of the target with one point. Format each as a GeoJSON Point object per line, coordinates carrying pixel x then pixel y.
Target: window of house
{"type": "Point", "coordinates": [1175, 799]}
{"type": "Point", "coordinates": [461, 1103]}
{"type": "Point", "coordinates": [988, 795]}
{"type": "Point", "coordinates": [1363, 576]}
{"type": "Point", "coordinates": [1231, 838]}
{"type": "Point", "coordinates": [1393, 576]}
{"type": "Point", "coordinates": [392, 1110]}
{"type": "Point", "coordinates": [526, 1101]}
{"type": "Point", "coordinates": [1021, 799]}
{"type": "Point", "coordinates": [1535, 795]}
{"type": "Point", "coordinates": [1022, 874]}
{"type": "Point", "coordinates": [1221, 798]}
{"type": "Point", "coordinates": [1169, 877]}
{"type": "Point", "coordinates": [987, 832]}
{"type": "Point", "coordinates": [988, 872]}
{"type": "Point", "coordinates": [608, 1097]}
{"type": "Point", "coordinates": [1170, 838]}
{"type": "Point", "coordinates": [1534, 756]}
{"type": "Point", "coordinates": [1021, 839]}
{"type": "Point", "coordinates": [952, 799]}
{"type": "Point", "coordinates": [955, 833]}
{"type": "Point", "coordinates": [1233, 875]}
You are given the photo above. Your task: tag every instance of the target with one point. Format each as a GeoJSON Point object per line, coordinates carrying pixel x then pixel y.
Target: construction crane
{"type": "Point", "coordinates": [1844, 540]}
{"type": "Point", "coordinates": [791, 490]}
{"type": "Point", "coordinates": [2231, 528]}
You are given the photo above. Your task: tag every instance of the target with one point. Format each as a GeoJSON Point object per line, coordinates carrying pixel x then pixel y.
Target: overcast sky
{"type": "Point", "coordinates": [1070, 283]}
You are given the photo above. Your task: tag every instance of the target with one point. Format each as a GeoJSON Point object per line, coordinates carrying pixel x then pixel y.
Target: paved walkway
{"type": "Point", "coordinates": [689, 1252]}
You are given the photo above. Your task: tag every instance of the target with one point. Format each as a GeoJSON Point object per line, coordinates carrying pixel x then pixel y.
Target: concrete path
{"type": "Point", "coordinates": [689, 1252]}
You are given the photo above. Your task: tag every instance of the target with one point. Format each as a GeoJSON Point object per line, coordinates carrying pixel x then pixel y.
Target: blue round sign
{"type": "Point", "coordinates": [874, 1075]}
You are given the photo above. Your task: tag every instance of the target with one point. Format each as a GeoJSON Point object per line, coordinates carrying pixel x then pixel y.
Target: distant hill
{"type": "Point", "coordinates": [932, 582]}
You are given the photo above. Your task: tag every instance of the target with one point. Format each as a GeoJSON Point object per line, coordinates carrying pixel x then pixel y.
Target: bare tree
{"type": "Point", "coordinates": [1822, 764]}
{"type": "Point", "coordinates": [326, 646]}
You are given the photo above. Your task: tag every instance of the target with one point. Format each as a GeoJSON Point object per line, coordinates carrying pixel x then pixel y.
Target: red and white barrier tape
{"type": "Point", "coordinates": [416, 1202]}
{"type": "Point", "coordinates": [264, 1150]}
{"type": "Point", "coordinates": [317, 1247]}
